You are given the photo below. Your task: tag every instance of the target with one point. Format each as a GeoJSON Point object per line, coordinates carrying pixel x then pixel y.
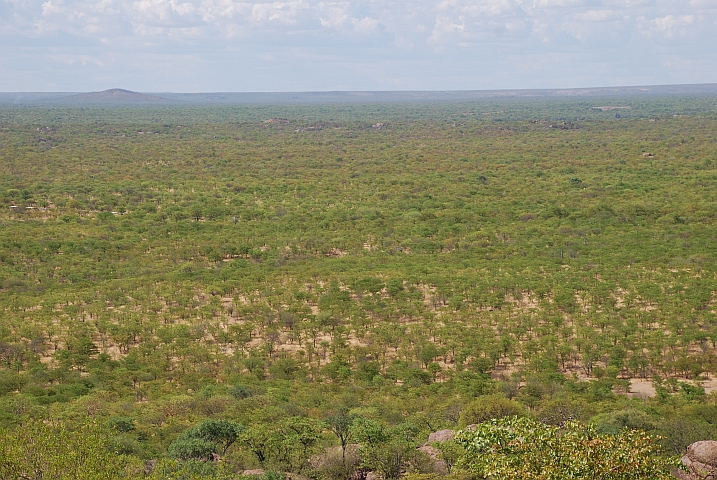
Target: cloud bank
{"type": "Point", "coordinates": [215, 45]}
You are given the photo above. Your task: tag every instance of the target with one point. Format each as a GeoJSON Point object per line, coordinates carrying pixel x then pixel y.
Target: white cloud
{"type": "Point", "coordinates": [163, 13]}
{"type": "Point", "coordinates": [51, 8]}
{"type": "Point", "coordinates": [515, 26]}
{"type": "Point", "coordinates": [216, 11]}
{"type": "Point", "coordinates": [366, 25]}
{"type": "Point", "coordinates": [598, 16]}
{"type": "Point", "coordinates": [667, 26]}
{"type": "Point", "coordinates": [444, 28]}
{"type": "Point", "coordinates": [333, 15]}
{"type": "Point", "coordinates": [557, 3]}
{"type": "Point", "coordinates": [72, 60]}
{"type": "Point", "coordinates": [630, 4]}
{"type": "Point", "coordinates": [279, 12]}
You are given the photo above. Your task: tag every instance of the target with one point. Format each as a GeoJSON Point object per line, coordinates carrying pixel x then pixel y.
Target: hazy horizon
{"type": "Point", "coordinates": [709, 86]}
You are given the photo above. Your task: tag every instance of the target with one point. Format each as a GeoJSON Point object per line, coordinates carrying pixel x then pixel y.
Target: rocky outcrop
{"type": "Point", "coordinates": [440, 436]}
{"type": "Point", "coordinates": [439, 466]}
{"type": "Point", "coordinates": [700, 461]}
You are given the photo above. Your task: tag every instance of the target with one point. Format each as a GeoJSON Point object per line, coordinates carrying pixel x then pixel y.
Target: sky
{"type": "Point", "coordinates": [309, 45]}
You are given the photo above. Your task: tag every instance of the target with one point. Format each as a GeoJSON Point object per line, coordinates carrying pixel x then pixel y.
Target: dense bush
{"type": "Point", "coordinates": [511, 448]}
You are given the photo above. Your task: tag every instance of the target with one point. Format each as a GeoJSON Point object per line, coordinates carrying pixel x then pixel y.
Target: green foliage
{"type": "Point", "coordinates": [284, 445]}
{"type": "Point", "coordinates": [207, 438]}
{"type": "Point", "coordinates": [450, 452]}
{"type": "Point", "coordinates": [40, 451]}
{"type": "Point", "coordinates": [522, 448]}
{"type": "Point", "coordinates": [387, 451]}
{"type": "Point", "coordinates": [341, 424]}
{"type": "Point", "coordinates": [615, 422]}
{"type": "Point", "coordinates": [191, 448]}
{"type": "Point", "coordinates": [121, 424]}
{"type": "Point", "coordinates": [490, 407]}
{"type": "Point", "coordinates": [190, 469]}
{"type": "Point", "coordinates": [240, 391]}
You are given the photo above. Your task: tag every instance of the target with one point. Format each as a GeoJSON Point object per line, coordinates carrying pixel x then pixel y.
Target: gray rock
{"type": "Point", "coordinates": [440, 436]}
{"type": "Point", "coordinates": [439, 466]}
{"type": "Point", "coordinates": [704, 452]}
{"type": "Point", "coordinates": [256, 471]}
{"type": "Point", "coordinates": [700, 461]}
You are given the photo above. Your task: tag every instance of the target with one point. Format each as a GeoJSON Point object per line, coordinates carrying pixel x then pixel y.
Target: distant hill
{"type": "Point", "coordinates": [114, 95]}
{"type": "Point", "coordinates": [118, 96]}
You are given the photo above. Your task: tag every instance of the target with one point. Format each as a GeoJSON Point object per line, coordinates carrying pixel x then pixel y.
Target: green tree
{"type": "Point", "coordinates": [208, 438]}
{"type": "Point", "coordinates": [341, 424]}
{"type": "Point", "coordinates": [489, 407]}
{"type": "Point", "coordinates": [388, 451]}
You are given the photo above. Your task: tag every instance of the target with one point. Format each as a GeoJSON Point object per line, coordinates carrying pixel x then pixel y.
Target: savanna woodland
{"type": "Point", "coordinates": [287, 291]}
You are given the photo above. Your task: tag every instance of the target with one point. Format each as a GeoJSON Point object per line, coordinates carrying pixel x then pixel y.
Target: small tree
{"type": "Point", "coordinates": [190, 448]}
{"type": "Point", "coordinates": [340, 423]}
{"type": "Point", "coordinates": [210, 437]}
{"type": "Point", "coordinates": [489, 407]}
{"type": "Point", "coordinates": [388, 451]}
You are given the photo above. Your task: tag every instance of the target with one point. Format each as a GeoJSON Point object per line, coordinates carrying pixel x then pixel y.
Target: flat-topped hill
{"type": "Point", "coordinates": [114, 95]}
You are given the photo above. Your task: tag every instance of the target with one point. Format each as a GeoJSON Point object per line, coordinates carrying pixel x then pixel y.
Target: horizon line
{"type": "Point", "coordinates": [278, 92]}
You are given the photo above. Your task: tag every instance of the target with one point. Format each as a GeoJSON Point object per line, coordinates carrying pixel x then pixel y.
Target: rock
{"type": "Point", "coordinates": [700, 461]}
{"type": "Point", "coordinates": [440, 436]}
{"type": "Point", "coordinates": [257, 471]}
{"type": "Point", "coordinates": [704, 452]}
{"type": "Point", "coordinates": [149, 466]}
{"type": "Point", "coordinates": [439, 466]}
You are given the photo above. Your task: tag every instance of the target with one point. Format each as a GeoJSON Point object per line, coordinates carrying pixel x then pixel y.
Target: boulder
{"type": "Point", "coordinates": [704, 452]}
{"type": "Point", "coordinates": [700, 461]}
{"type": "Point", "coordinates": [439, 466]}
{"type": "Point", "coordinates": [440, 436]}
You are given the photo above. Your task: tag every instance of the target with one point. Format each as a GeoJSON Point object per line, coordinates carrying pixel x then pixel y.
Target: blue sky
{"type": "Point", "coordinates": [308, 45]}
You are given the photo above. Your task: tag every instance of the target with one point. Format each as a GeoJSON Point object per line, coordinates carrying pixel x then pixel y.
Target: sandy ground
{"type": "Point", "coordinates": [642, 388]}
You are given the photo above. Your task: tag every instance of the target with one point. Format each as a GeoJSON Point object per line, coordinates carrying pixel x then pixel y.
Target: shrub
{"type": "Point", "coordinates": [489, 407]}
{"type": "Point", "coordinates": [510, 448]}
